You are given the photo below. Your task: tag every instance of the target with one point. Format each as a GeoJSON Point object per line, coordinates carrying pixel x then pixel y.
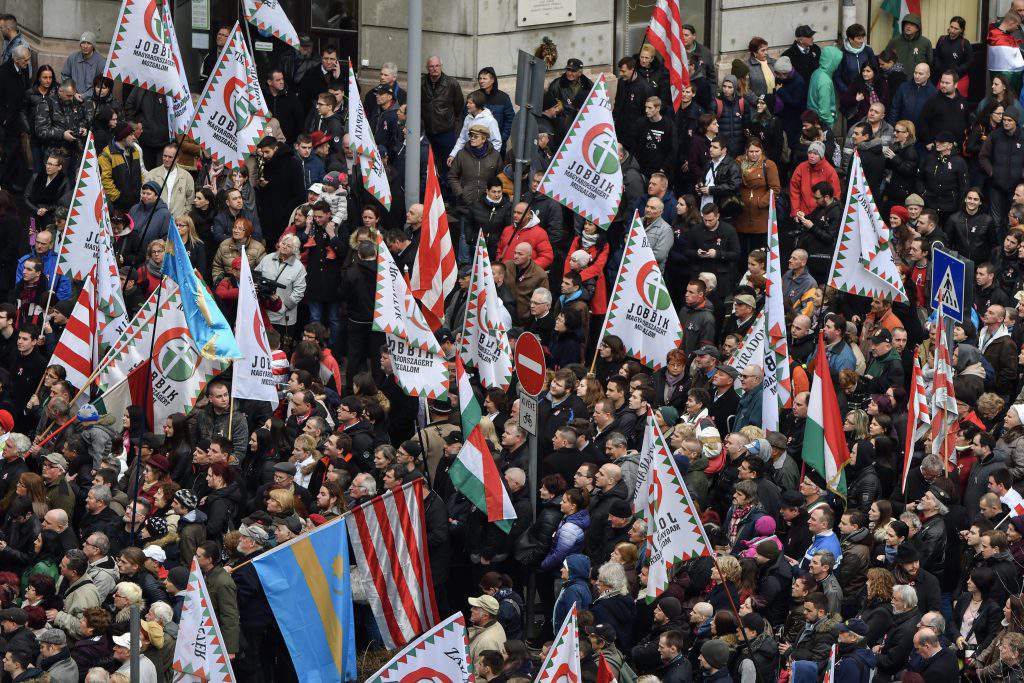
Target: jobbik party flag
{"type": "Point", "coordinates": [200, 652]}
{"type": "Point", "coordinates": [474, 472]}
{"type": "Point", "coordinates": [863, 260]}
{"type": "Point", "coordinates": [97, 320]}
{"type": "Point", "coordinates": [416, 357]}
{"type": "Point", "coordinates": [585, 175]}
{"type": "Point", "coordinates": [269, 16]}
{"type": "Point", "coordinates": [142, 53]}
{"type": "Point", "coordinates": [778, 388]}
{"type": "Point", "coordinates": [484, 343]}
{"type": "Point", "coordinates": [434, 270]}
{"type": "Point", "coordinates": [178, 371]}
{"type": "Point", "coordinates": [753, 348]}
{"type": "Point", "coordinates": [674, 531]}
{"type": "Point", "coordinates": [308, 584]}
{"type": "Point", "coordinates": [640, 312]}
{"type": "Point", "coordinates": [563, 660]}
{"type": "Point", "coordinates": [180, 108]}
{"type": "Point", "coordinates": [229, 123]}
{"type": "Point", "coordinates": [364, 147]}
{"type": "Point", "coordinates": [919, 417]}
{"type": "Point", "coordinates": [252, 377]}
{"type": "Point", "coordinates": [389, 542]}
{"type": "Point", "coordinates": [440, 654]}
{"type": "Point", "coordinates": [78, 249]}
{"type": "Point", "coordinates": [206, 323]}
{"type": "Point", "coordinates": [825, 448]}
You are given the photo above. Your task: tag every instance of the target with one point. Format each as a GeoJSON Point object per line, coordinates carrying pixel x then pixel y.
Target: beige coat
{"type": "Point", "coordinates": [181, 195]}
{"type": "Point", "coordinates": [484, 638]}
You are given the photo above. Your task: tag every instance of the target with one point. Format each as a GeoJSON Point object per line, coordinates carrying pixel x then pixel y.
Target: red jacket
{"type": "Point", "coordinates": [598, 260]}
{"type": "Point", "coordinates": [532, 233]}
{"type": "Point", "coordinates": [804, 178]}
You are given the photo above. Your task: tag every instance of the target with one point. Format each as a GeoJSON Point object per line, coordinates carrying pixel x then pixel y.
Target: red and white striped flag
{"type": "Point", "coordinates": [389, 541]}
{"type": "Point", "coordinates": [433, 271]}
{"type": "Point", "coordinates": [1014, 501]}
{"type": "Point", "coordinates": [919, 417]}
{"type": "Point", "coordinates": [943, 402]}
{"type": "Point", "coordinates": [77, 350]}
{"type": "Point", "coordinates": [665, 33]}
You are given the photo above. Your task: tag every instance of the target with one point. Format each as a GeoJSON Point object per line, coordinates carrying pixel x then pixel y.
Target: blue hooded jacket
{"type": "Point", "coordinates": [575, 590]}
{"type": "Point", "coordinates": [568, 539]}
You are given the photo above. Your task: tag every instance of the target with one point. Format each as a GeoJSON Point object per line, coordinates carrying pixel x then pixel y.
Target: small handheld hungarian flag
{"type": "Point", "coordinates": [825, 448]}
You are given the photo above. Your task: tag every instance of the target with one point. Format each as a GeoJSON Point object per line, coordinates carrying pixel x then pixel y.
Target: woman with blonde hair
{"type": "Point", "coordinates": [725, 573]}
{"type": "Point", "coordinates": [280, 503]}
{"type": "Point", "coordinates": [901, 160]}
{"type": "Point", "coordinates": [194, 246]}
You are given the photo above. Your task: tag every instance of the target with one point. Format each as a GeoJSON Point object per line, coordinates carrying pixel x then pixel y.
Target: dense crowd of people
{"type": "Point", "coordinates": [908, 577]}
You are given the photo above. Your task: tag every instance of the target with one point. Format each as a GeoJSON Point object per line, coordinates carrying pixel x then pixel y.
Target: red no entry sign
{"type": "Point", "coordinates": [530, 367]}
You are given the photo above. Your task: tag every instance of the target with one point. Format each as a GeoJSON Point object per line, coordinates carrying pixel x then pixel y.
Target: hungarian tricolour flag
{"type": "Point", "coordinates": [899, 9]}
{"type": "Point", "coordinates": [474, 473]}
{"type": "Point", "coordinates": [825, 448]}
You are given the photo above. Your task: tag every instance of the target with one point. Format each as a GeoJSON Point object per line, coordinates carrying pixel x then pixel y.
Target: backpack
{"type": "Point", "coordinates": [719, 105]}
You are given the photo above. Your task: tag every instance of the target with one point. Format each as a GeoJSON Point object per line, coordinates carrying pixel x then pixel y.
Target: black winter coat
{"type": "Point", "coordinates": [489, 217]}
{"type": "Point", "coordinates": [943, 181]}
{"type": "Point", "coordinates": [282, 193]}
{"type": "Point", "coordinates": [943, 114]}
{"type": "Point", "coordinates": [14, 85]}
{"type": "Point", "coordinates": [222, 506]}
{"type": "Point", "coordinates": [877, 614]}
{"type": "Point", "coordinates": [152, 110]}
{"type": "Point", "coordinates": [1002, 159]}
{"type": "Point", "coordinates": [619, 611]}
{"type": "Point", "coordinates": [628, 111]}
{"type": "Point", "coordinates": [972, 236]}
{"type": "Point", "coordinates": [987, 624]}
{"type": "Point", "coordinates": [898, 643]}
{"type": "Point", "coordinates": [903, 174]}
{"type": "Point", "coordinates": [53, 117]}
{"type": "Point", "coordinates": [533, 545]}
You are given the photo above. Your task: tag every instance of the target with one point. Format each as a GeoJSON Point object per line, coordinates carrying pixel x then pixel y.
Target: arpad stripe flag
{"type": "Point", "coordinates": [674, 531]}
{"type": "Point", "coordinates": [199, 651]}
{"type": "Point", "coordinates": [269, 16]}
{"type": "Point", "coordinates": [484, 341]}
{"type": "Point", "coordinates": [78, 248]}
{"type": "Point", "coordinates": [252, 376]}
{"type": "Point", "coordinates": [389, 541]}
{"type": "Point", "coordinates": [585, 175]}
{"type": "Point", "coordinates": [141, 52]}
{"type": "Point", "coordinates": [943, 428]}
{"type": "Point", "coordinates": [640, 311]}
{"type": "Point", "coordinates": [440, 654]}
{"type": "Point", "coordinates": [665, 33]}
{"type": "Point", "coordinates": [563, 660]}
{"type": "Point", "coordinates": [364, 147]}
{"type": "Point", "coordinates": [474, 472]}
{"type": "Point", "coordinates": [778, 386]}
{"type": "Point", "coordinates": [919, 417]}
{"type": "Point", "coordinates": [825, 448]}
{"type": "Point", "coordinates": [77, 350]}
{"type": "Point", "coordinates": [230, 117]}
{"type": "Point", "coordinates": [863, 261]}
{"type": "Point", "coordinates": [416, 357]}
{"type": "Point", "coordinates": [433, 272]}
{"type": "Point", "coordinates": [180, 109]}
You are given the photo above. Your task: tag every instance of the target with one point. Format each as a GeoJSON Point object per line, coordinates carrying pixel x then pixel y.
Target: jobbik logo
{"type": "Point", "coordinates": [646, 313]}
{"type": "Point", "coordinates": [598, 159]}
{"type": "Point", "coordinates": [152, 46]}
{"type": "Point", "coordinates": [175, 361]}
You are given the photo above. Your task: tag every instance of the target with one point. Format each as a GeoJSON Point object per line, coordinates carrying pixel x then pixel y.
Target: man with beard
{"type": "Point", "coordinates": [558, 407]}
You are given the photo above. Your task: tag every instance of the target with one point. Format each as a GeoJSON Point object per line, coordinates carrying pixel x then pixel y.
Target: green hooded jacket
{"type": "Point", "coordinates": [821, 93]}
{"type": "Point", "coordinates": [910, 53]}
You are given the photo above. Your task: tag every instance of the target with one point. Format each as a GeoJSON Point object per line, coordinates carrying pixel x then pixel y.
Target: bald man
{"type": "Point", "coordinates": [609, 488]}
{"type": "Point", "coordinates": [999, 349]}
{"type": "Point", "coordinates": [801, 340]}
{"type": "Point", "coordinates": [523, 276]}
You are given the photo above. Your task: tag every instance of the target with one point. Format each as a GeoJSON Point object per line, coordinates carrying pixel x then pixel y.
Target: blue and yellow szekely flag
{"type": "Point", "coordinates": [206, 323]}
{"type": "Point", "coordinates": [308, 585]}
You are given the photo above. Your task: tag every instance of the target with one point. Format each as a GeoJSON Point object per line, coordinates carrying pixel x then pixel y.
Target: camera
{"type": "Point", "coordinates": [265, 287]}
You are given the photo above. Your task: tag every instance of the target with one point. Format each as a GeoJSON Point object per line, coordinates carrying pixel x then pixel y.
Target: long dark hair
{"type": "Point", "coordinates": [182, 435]}
{"type": "Point", "coordinates": [43, 68]}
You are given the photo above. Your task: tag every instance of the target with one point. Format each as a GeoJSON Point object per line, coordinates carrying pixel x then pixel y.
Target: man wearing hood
{"type": "Point", "coordinates": [910, 46]}
{"type": "Point", "coordinates": [821, 91]}
{"type": "Point", "coordinates": [146, 229]}
{"type": "Point", "coordinates": [525, 228]}
{"type": "Point", "coordinates": [575, 590]}
{"type": "Point", "coordinates": [999, 349]}
{"type": "Point", "coordinates": [791, 92]}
